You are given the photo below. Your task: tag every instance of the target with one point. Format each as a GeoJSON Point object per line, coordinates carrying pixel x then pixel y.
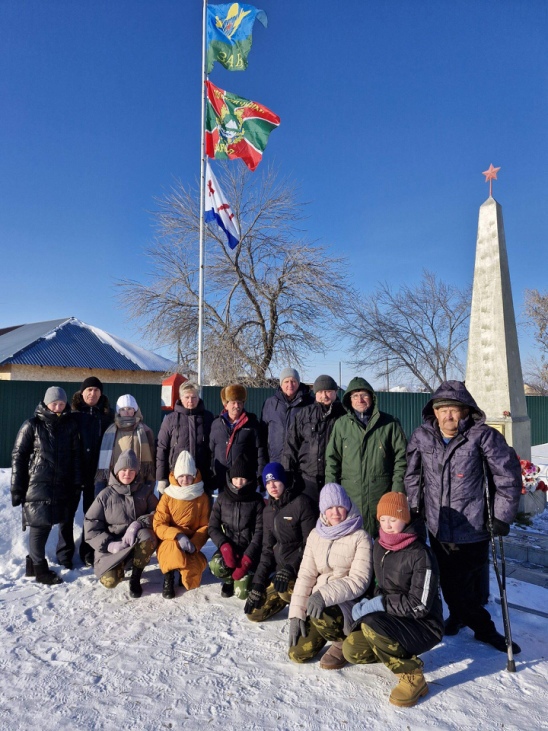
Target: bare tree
{"type": "Point", "coordinates": [271, 301]}
{"type": "Point", "coordinates": [416, 332]}
{"type": "Point", "coordinates": [536, 313]}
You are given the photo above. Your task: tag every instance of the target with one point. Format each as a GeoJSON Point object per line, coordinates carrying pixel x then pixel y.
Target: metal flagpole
{"type": "Point", "coordinates": [202, 206]}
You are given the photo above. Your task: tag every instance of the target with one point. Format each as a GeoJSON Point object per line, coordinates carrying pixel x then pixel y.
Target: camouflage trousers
{"type": "Point", "coordinates": [364, 646]}
{"type": "Point", "coordinates": [140, 555]}
{"type": "Point", "coordinates": [220, 570]}
{"type": "Point", "coordinates": [273, 603]}
{"type": "Point", "coordinates": [328, 628]}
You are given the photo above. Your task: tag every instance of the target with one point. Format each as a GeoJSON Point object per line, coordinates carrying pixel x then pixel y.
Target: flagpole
{"type": "Point", "coordinates": [202, 206]}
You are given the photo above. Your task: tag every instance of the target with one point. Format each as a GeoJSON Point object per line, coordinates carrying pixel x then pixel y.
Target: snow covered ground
{"type": "Point", "coordinates": [77, 656]}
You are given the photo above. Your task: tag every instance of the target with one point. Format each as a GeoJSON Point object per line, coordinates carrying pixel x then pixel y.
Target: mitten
{"type": "Point", "coordinates": [366, 606]}
{"type": "Point", "coordinates": [242, 569]}
{"type": "Point", "coordinates": [16, 499]}
{"type": "Point", "coordinates": [500, 528]}
{"type": "Point", "coordinates": [162, 484]}
{"type": "Point", "coordinates": [315, 606]}
{"type": "Point", "coordinates": [227, 552]}
{"type": "Point", "coordinates": [185, 544]}
{"type": "Point", "coordinates": [297, 628]}
{"type": "Point", "coordinates": [282, 577]}
{"type": "Point", "coordinates": [131, 533]}
{"type": "Point", "coordinates": [255, 598]}
{"type": "Point", "coordinates": [116, 546]}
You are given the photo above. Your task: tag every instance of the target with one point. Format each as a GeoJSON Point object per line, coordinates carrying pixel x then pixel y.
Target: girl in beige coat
{"type": "Point", "coordinates": [335, 572]}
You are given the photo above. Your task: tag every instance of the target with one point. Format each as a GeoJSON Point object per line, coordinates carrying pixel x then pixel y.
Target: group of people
{"type": "Point", "coordinates": [358, 530]}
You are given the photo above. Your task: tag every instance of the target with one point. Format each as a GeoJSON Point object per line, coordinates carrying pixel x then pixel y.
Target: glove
{"type": "Point", "coordinates": [297, 628]}
{"type": "Point", "coordinates": [16, 499]}
{"type": "Point", "coordinates": [315, 606]}
{"type": "Point", "coordinates": [282, 577]}
{"type": "Point", "coordinates": [185, 544]}
{"type": "Point", "coordinates": [162, 484]}
{"type": "Point", "coordinates": [366, 606]}
{"type": "Point", "coordinates": [227, 552]}
{"type": "Point", "coordinates": [242, 570]}
{"type": "Point", "coordinates": [255, 598]}
{"type": "Point", "coordinates": [500, 528]}
{"type": "Point", "coordinates": [131, 533]}
{"type": "Point", "coordinates": [116, 546]}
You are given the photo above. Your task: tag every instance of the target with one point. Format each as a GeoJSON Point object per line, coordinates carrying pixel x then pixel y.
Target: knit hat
{"type": "Point", "coordinates": [126, 402]}
{"type": "Point", "coordinates": [395, 505]}
{"type": "Point", "coordinates": [274, 471]}
{"type": "Point", "coordinates": [92, 382]}
{"type": "Point", "coordinates": [234, 392]}
{"type": "Point", "coordinates": [242, 468]}
{"type": "Point", "coordinates": [332, 495]}
{"type": "Point", "coordinates": [438, 403]}
{"type": "Point", "coordinates": [128, 460]}
{"type": "Point", "coordinates": [289, 373]}
{"type": "Point", "coordinates": [185, 465]}
{"type": "Point", "coordinates": [55, 393]}
{"type": "Point", "coordinates": [324, 383]}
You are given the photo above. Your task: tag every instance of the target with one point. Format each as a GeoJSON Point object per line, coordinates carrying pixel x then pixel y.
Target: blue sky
{"type": "Point", "coordinates": [390, 112]}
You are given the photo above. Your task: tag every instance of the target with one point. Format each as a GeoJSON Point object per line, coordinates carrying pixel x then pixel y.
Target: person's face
{"type": "Point", "coordinates": [126, 411]}
{"type": "Point", "coordinates": [290, 386]}
{"type": "Point", "coordinates": [185, 480]}
{"type": "Point", "coordinates": [190, 399]}
{"type": "Point", "coordinates": [57, 406]}
{"type": "Point", "coordinates": [91, 395]}
{"type": "Point", "coordinates": [361, 401]}
{"type": "Point", "coordinates": [392, 525]}
{"type": "Point", "coordinates": [275, 488]}
{"type": "Point", "coordinates": [448, 418]}
{"type": "Point", "coordinates": [234, 409]}
{"type": "Point", "coordinates": [326, 397]}
{"type": "Point", "coordinates": [239, 482]}
{"type": "Point", "coordinates": [336, 514]}
{"type": "Point", "coordinates": [126, 476]}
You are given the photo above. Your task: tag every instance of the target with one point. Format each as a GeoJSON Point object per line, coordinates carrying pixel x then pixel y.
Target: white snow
{"type": "Point", "coordinates": [77, 656]}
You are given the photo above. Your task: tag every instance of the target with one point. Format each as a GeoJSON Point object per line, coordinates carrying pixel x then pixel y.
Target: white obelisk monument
{"type": "Point", "coordinates": [493, 369]}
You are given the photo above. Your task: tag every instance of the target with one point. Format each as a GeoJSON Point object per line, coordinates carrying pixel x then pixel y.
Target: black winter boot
{"type": "Point", "coordinates": [135, 589]}
{"type": "Point", "coordinates": [496, 640]}
{"type": "Point", "coordinates": [168, 590]}
{"type": "Point", "coordinates": [453, 625]}
{"type": "Point", "coordinates": [227, 589]}
{"type": "Point", "coordinates": [29, 566]}
{"type": "Point", "coordinates": [44, 575]}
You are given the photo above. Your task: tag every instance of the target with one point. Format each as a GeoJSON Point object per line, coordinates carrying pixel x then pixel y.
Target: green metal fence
{"type": "Point", "coordinates": [18, 399]}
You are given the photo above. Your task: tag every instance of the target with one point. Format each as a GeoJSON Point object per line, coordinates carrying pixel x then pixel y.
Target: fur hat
{"type": "Point", "coordinates": [128, 460]}
{"type": "Point", "coordinates": [234, 392]}
{"type": "Point", "coordinates": [324, 383]}
{"type": "Point", "coordinates": [289, 373]}
{"type": "Point", "coordinates": [92, 382]}
{"type": "Point", "coordinates": [126, 401]}
{"type": "Point", "coordinates": [333, 494]}
{"type": "Point", "coordinates": [185, 465]}
{"type": "Point", "coordinates": [274, 471]}
{"type": "Point", "coordinates": [394, 504]}
{"type": "Point", "coordinates": [242, 468]}
{"type": "Point", "coordinates": [55, 393]}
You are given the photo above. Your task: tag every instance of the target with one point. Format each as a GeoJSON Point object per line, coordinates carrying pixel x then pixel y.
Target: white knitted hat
{"type": "Point", "coordinates": [185, 465]}
{"type": "Point", "coordinates": [127, 401]}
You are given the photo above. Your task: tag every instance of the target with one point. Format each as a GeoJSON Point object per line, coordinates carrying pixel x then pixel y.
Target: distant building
{"type": "Point", "coordinates": [71, 350]}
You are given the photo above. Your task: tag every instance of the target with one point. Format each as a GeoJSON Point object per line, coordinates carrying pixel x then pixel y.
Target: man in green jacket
{"type": "Point", "coordinates": [366, 452]}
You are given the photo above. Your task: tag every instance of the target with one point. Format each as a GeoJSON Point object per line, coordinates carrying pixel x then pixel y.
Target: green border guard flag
{"type": "Point", "coordinates": [229, 29]}
{"type": "Point", "coordinates": [236, 127]}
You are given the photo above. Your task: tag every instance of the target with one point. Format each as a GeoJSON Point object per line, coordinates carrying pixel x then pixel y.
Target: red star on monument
{"type": "Point", "coordinates": [490, 175]}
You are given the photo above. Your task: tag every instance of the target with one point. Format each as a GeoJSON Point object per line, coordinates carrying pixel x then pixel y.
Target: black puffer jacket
{"type": "Point", "coordinates": [185, 429]}
{"type": "Point", "coordinates": [238, 519]}
{"type": "Point", "coordinates": [307, 437]}
{"type": "Point", "coordinates": [277, 415]}
{"type": "Point", "coordinates": [408, 581]}
{"type": "Point", "coordinates": [286, 525]}
{"type": "Point", "coordinates": [92, 421]}
{"type": "Point", "coordinates": [46, 468]}
{"type": "Point", "coordinates": [246, 441]}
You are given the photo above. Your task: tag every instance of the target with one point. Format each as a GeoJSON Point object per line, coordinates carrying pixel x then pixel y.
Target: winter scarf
{"type": "Point", "coordinates": [139, 441]}
{"type": "Point", "coordinates": [234, 426]}
{"type": "Point", "coordinates": [185, 492]}
{"type": "Point", "coordinates": [353, 522]}
{"type": "Point", "coordinates": [396, 541]}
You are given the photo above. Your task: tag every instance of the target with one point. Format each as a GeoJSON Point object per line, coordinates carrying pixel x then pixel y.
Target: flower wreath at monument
{"type": "Point", "coordinates": [530, 480]}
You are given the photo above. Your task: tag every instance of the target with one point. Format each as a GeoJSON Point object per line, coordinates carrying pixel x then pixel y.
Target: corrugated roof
{"type": "Point", "coordinates": [70, 343]}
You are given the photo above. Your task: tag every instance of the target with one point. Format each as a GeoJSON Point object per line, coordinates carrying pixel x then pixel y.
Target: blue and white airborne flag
{"type": "Point", "coordinates": [217, 209]}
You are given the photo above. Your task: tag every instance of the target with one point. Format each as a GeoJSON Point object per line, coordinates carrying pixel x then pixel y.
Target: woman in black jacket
{"type": "Point", "coordinates": [46, 476]}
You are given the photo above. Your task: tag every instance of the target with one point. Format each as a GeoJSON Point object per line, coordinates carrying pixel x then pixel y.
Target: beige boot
{"type": "Point", "coordinates": [333, 658]}
{"type": "Point", "coordinates": [408, 691]}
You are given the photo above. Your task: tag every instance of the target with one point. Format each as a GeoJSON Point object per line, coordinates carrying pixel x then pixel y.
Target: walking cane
{"type": "Point", "coordinates": [501, 578]}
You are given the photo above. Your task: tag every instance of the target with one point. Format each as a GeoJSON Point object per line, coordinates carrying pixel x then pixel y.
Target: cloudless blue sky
{"type": "Point", "coordinates": [390, 112]}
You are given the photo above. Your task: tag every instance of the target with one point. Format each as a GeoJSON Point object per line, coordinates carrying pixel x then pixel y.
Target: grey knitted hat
{"type": "Point", "coordinates": [128, 460]}
{"type": "Point", "coordinates": [289, 373]}
{"type": "Point", "coordinates": [55, 393]}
